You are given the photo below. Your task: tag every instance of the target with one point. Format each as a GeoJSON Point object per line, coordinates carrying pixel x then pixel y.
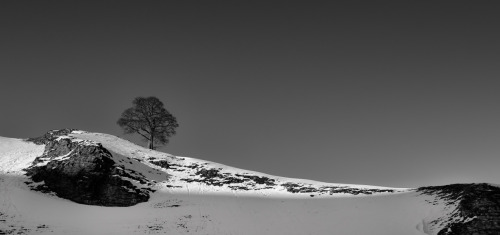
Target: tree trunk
{"type": "Point", "coordinates": [150, 143]}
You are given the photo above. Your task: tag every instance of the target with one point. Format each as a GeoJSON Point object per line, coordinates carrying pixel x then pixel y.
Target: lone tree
{"type": "Point", "coordinates": [149, 119]}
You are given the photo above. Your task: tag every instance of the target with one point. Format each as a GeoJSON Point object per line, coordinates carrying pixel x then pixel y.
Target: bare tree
{"type": "Point", "coordinates": [149, 119]}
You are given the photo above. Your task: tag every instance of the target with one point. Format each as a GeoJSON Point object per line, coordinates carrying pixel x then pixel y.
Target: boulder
{"type": "Point", "coordinates": [84, 172]}
{"type": "Point", "coordinates": [479, 204]}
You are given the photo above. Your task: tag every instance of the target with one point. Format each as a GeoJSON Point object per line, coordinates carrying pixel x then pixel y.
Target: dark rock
{"type": "Point", "coordinates": [161, 163]}
{"type": "Point", "coordinates": [193, 166]}
{"type": "Point", "coordinates": [214, 177]}
{"type": "Point", "coordinates": [291, 187]}
{"type": "Point", "coordinates": [84, 172]}
{"type": "Point", "coordinates": [233, 180]}
{"type": "Point", "coordinates": [259, 179]}
{"type": "Point", "coordinates": [211, 173]}
{"type": "Point", "coordinates": [479, 203]}
{"type": "Point", "coordinates": [49, 136]}
{"type": "Point", "coordinates": [239, 188]}
{"type": "Point", "coordinates": [297, 188]}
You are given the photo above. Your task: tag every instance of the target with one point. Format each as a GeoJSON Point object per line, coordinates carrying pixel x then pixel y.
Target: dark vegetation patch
{"type": "Point", "coordinates": [193, 166]}
{"type": "Point", "coordinates": [168, 204]}
{"type": "Point", "coordinates": [161, 163]}
{"type": "Point", "coordinates": [259, 179]}
{"type": "Point", "coordinates": [10, 227]}
{"type": "Point", "coordinates": [211, 173]}
{"type": "Point", "coordinates": [13, 229]}
{"type": "Point", "coordinates": [299, 188]}
{"type": "Point", "coordinates": [214, 177]}
{"type": "Point", "coordinates": [155, 227]}
{"type": "Point", "coordinates": [239, 187]}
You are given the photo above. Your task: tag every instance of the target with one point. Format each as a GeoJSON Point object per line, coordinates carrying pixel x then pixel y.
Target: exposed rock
{"type": "Point", "coordinates": [259, 179]}
{"type": "Point", "coordinates": [50, 136]}
{"type": "Point", "coordinates": [301, 188]}
{"type": "Point", "coordinates": [211, 173]}
{"type": "Point", "coordinates": [84, 172]}
{"type": "Point", "coordinates": [478, 206]}
{"type": "Point", "coordinates": [214, 177]}
{"type": "Point", "coordinates": [161, 163]}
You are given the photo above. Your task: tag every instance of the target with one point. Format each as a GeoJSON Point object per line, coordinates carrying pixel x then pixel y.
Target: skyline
{"type": "Point", "coordinates": [399, 94]}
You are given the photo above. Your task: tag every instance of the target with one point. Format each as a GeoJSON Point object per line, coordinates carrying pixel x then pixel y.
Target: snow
{"type": "Point", "coordinates": [184, 171]}
{"type": "Point", "coordinates": [211, 214]}
{"type": "Point", "coordinates": [181, 207]}
{"type": "Point", "coordinates": [17, 154]}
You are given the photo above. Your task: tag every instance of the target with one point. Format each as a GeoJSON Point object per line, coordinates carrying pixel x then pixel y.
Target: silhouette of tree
{"type": "Point", "coordinates": [149, 119]}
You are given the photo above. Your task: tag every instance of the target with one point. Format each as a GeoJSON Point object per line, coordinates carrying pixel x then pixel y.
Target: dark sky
{"type": "Point", "coordinates": [363, 92]}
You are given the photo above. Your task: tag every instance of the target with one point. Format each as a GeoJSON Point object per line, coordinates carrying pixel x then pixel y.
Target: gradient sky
{"type": "Point", "coordinates": [363, 92]}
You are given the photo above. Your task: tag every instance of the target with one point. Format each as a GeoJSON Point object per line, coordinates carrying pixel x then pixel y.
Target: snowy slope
{"type": "Point", "coordinates": [194, 196]}
{"type": "Point", "coordinates": [183, 177]}
{"type": "Point", "coordinates": [16, 154]}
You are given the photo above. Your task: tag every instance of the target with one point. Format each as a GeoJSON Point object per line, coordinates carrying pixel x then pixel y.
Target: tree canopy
{"type": "Point", "coordinates": [150, 119]}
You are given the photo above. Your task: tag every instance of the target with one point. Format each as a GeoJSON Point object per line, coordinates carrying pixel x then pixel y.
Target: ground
{"type": "Point", "coordinates": [193, 196]}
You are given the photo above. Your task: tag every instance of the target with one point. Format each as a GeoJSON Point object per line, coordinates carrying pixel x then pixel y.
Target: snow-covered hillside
{"type": "Point", "coordinates": [192, 196]}
{"type": "Point", "coordinates": [190, 175]}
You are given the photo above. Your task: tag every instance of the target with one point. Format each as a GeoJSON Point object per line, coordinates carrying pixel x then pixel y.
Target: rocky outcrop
{"type": "Point", "coordinates": [50, 136]}
{"type": "Point", "coordinates": [309, 188]}
{"type": "Point", "coordinates": [478, 207]}
{"type": "Point", "coordinates": [84, 172]}
{"type": "Point", "coordinates": [161, 163]}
